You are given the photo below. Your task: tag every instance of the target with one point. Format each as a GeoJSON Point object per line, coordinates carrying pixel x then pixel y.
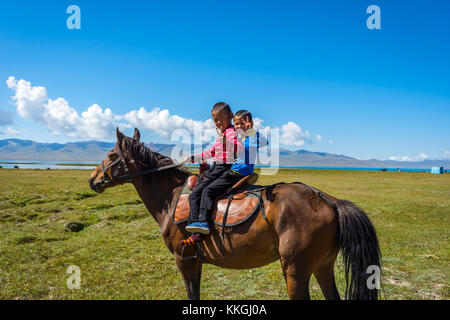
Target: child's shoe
{"type": "Point", "coordinates": [200, 227]}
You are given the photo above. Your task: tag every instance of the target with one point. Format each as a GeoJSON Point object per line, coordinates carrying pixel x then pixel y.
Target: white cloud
{"type": "Point", "coordinates": [163, 123]}
{"type": "Point", "coordinates": [330, 141]}
{"type": "Point", "coordinates": [291, 134]}
{"type": "Point", "coordinates": [12, 131]}
{"type": "Point", "coordinates": [57, 115]}
{"type": "Point", "coordinates": [400, 158]}
{"type": "Point", "coordinates": [422, 156]}
{"type": "Point", "coordinates": [30, 100]}
{"type": "Point", "coordinates": [97, 122]}
{"type": "Point", "coordinates": [60, 118]}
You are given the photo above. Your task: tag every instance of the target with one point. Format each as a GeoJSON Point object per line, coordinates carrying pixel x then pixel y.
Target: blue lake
{"type": "Point", "coordinates": [39, 164]}
{"type": "Point", "coordinates": [357, 169]}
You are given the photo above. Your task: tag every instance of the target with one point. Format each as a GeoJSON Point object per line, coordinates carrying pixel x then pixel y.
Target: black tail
{"type": "Point", "coordinates": [359, 246]}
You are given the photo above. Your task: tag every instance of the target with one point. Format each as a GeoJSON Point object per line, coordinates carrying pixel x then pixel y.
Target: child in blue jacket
{"type": "Point", "coordinates": [252, 141]}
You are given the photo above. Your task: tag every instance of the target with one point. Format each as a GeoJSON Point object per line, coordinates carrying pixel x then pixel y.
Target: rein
{"type": "Point", "coordinates": [130, 176]}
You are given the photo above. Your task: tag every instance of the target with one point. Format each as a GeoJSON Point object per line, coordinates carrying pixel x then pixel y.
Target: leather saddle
{"type": "Point", "coordinates": [245, 181]}
{"type": "Point", "coordinates": [237, 205]}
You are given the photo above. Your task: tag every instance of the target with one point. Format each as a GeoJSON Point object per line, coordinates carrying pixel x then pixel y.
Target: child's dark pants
{"type": "Point", "coordinates": [215, 182]}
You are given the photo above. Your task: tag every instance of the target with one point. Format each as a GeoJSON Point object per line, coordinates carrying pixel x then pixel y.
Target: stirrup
{"type": "Point", "coordinates": [198, 253]}
{"type": "Point", "coordinates": [195, 256]}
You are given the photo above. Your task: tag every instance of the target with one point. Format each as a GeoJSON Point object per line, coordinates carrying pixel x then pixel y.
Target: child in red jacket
{"type": "Point", "coordinates": [223, 153]}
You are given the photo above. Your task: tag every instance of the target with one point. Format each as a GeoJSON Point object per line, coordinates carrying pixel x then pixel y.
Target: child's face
{"type": "Point", "coordinates": [238, 123]}
{"type": "Point", "coordinates": [221, 119]}
{"type": "Point", "coordinates": [242, 123]}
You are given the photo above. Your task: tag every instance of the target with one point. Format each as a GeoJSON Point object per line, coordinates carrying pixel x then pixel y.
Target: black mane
{"type": "Point", "coordinates": [145, 156]}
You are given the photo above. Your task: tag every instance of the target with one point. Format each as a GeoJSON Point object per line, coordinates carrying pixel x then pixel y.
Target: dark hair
{"type": "Point", "coordinates": [222, 106]}
{"type": "Point", "coordinates": [144, 155]}
{"type": "Point", "coordinates": [244, 114]}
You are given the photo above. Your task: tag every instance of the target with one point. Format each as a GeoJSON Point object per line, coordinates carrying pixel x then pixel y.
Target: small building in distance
{"type": "Point", "coordinates": [437, 170]}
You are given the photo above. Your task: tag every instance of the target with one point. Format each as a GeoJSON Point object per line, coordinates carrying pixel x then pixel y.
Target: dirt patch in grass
{"type": "Point", "coordinates": [74, 226]}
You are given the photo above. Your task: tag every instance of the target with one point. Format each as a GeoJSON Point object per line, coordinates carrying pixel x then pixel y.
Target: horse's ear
{"type": "Point", "coordinates": [136, 135]}
{"type": "Point", "coordinates": [119, 135]}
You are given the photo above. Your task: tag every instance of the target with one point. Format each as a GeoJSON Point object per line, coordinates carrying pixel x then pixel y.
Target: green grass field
{"type": "Point", "coordinates": [50, 219]}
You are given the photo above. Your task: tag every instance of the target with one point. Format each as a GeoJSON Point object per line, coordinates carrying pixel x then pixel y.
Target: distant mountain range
{"type": "Point", "coordinates": [16, 149]}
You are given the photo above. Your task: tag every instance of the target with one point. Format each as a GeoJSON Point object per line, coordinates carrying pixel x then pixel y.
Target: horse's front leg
{"type": "Point", "coordinates": [191, 270]}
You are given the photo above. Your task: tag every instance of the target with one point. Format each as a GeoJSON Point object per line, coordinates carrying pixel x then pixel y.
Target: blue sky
{"type": "Point", "coordinates": [367, 93]}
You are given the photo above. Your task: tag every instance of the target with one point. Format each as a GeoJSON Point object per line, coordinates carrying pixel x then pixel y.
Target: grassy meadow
{"type": "Point", "coordinates": [50, 219]}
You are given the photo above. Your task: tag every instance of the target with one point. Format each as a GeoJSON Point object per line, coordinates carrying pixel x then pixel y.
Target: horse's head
{"type": "Point", "coordinates": [118, 164]}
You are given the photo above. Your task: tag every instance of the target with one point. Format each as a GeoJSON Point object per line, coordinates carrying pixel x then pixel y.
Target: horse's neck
{"type": "Point", "coordinates": [159, 191]}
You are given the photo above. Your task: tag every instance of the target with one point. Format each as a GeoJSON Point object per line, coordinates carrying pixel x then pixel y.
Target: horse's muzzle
{"type": "Point", "coordinates": [91, 183]}
{"type": "Point", "coordinates": [95, 186]}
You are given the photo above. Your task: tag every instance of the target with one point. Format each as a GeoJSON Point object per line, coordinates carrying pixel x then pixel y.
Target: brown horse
{"type": "Point", "coordinates": [303, 228]}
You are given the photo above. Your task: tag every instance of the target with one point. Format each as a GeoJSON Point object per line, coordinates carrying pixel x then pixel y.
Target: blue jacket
{"type": "Point", "coordinates": [246, 159]}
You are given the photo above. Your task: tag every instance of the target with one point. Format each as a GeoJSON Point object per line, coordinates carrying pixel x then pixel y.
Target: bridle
{"type": "Point", "coordinates": [128, 174]}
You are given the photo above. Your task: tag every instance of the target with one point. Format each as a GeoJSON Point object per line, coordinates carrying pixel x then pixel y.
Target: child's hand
{"type": "Point", "coordinates": [186, 160]}
{"type": "Point", "coordinates": [247, 124]}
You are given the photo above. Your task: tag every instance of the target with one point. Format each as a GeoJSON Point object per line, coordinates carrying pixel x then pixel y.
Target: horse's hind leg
{"type": "Point", "coordinates": [297, 280]}
{"type": "Point", "coordinates": [191, 270]}
{"type": "Point", "coordinates": [324, 275]}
